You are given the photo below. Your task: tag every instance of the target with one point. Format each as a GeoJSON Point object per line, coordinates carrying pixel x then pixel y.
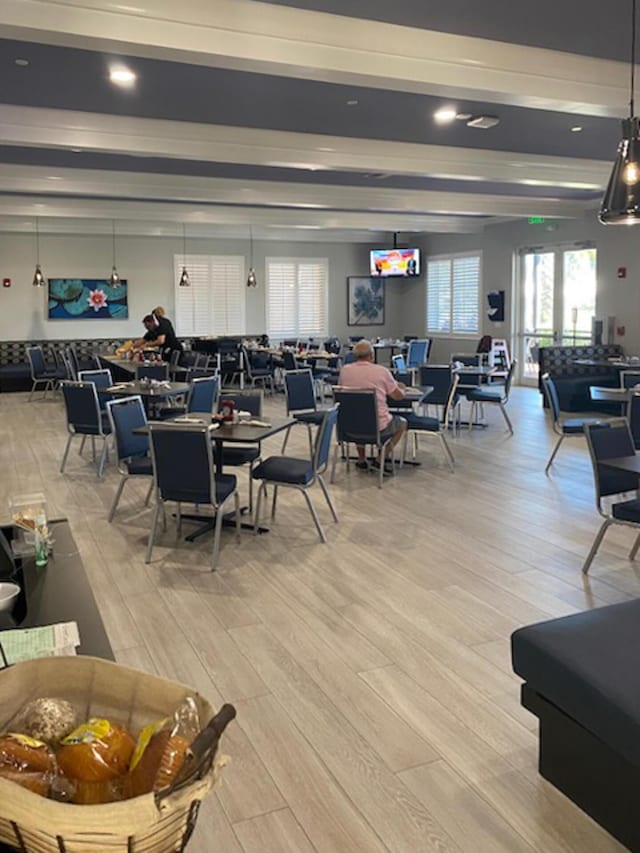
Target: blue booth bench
{"type": "Point", "coordinates": [15, 374]}
{"type": "Point", "coordinates": [572, 380]}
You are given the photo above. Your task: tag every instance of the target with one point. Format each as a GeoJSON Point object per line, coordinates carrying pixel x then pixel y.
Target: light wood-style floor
{"type": "Point", "coordinates": [376, 706]}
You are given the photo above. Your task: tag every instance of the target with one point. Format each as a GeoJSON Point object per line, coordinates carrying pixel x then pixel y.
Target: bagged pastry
{"type": "Point", "coordinates": [27, 762]}
{"type": "Point", "coordinates": [161, 749]}
{"type": "Point", "coordinates": [96, 757]}
{"type": "Point", "coordinates": [48, 719]}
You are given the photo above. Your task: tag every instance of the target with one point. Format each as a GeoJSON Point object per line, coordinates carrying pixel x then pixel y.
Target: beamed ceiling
{"type": "Point", "coordinates": [312, 117]}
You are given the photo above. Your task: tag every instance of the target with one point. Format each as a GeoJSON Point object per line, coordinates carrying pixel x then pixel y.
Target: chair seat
{"type": "Point", "coordinates": [574, 426]}
{"type": "Point", "coordinates": [309, 417]}
{"type": "Point", "coordinates": [235, 456]}
{"type": "Point", "coordinates": [51, 374]}
{"type": "Point", "coordinates": [225, 486]}
{"type": "Point", "coordinates": [424, 424]}
{"type": "Point", "coordinates": [482, 395]}
{"type": "Point", "coordinates": [285, 469]}
{"type": "Point", "coordinates": [260, 372]}
{"type": "Point", "coordinates": [139, 465]}
{"type": "Point", "coordinates": [627, 511]}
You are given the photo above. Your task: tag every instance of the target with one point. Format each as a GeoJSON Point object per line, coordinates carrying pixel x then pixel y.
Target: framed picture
{"type": "Point", "coordinates": [87, 299]}
{"type": "Point", "coordinates": [365, 301]}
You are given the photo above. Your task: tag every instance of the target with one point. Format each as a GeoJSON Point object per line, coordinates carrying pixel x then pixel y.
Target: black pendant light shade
{"type": "Point", "coordinates": [38, 276]}
{"type": "Point", "coordinates": [184, 280]}
{"type": "Point", "coordinates": [621, 202]}
{"type": "Point", "coordinates": [252, 281]}
{"type": "Point", "coordinates": [114, 278]}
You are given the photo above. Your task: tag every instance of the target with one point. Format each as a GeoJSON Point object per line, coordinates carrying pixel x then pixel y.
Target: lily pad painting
{"type": "Point", "coordinates": [365, 301]}
{"type": "Point", "coordinates": [87, 299]}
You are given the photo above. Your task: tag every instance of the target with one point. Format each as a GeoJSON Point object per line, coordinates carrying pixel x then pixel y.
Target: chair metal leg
{"type": "Point", "coordinates": [93, 448]}
{"type": "Point", "coordinates": [33, 388]}
{"type": "Point", "coordinates": [149, 493]}
{"type": "Point", "coordinates": [383, 456]}
{"type": "Point", "coordinates": [216, 539]}
{"type": "Point", "coordinates": [117, 498]}
{"type": "Point", "coordinates": [152, 532]}
{"type": "Point", "coordinates": [332, 478]}
{"type": "Point", "coordinates": [472, 415]}
{"type": "Point", "coordinates": [236, 500]}
{"type": "Point", "coordinates": [447, 451]}
{"type": "Point", "coordinates": [553, 455]}
{"type": "Point", "coordinates": [506, 417]}
{"type": "Point", "coordinates": [314, 515]}
{"type": "Point", "coordinates": [325, 492]}
{"type": "Point", "coordinates": [256, 518]}
{"type": "Point", "coordinates": [273, 502]}
{"type": "Point", "coordinates": [634, 550]}
{"type": "Point", "coordinates": [286, 439]}
{"type": "Point", "coordinates": [310, 436]}
{"type": "Point", "coordinates": [82, 443]}
{"type": "Point", "coordinates": [606, 524]}
{"type": "Point", "coordinates": [66, 453]}
{"type": "Point", "coordinates": [178, 519]}
{"type": "Point", "coordinates": [103, 459]}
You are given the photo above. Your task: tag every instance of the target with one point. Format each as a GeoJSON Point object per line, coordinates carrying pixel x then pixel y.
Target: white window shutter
{"type": "Point", "coordinates": [214, 304]}
{"type": "Point", "coordinates": [453, 294]}
{"type": "Point", "coordinates": [297, 291]}
{"type": "Point", "coordinates": [439, 296]}
{"type": "Point", "coordinates": [466, 294]}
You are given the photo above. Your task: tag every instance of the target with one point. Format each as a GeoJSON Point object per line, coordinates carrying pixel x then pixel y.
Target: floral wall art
{"type": "Point", "coordinates": [87, 299]}
{"type": "Point", "coordinates": [365, 301]}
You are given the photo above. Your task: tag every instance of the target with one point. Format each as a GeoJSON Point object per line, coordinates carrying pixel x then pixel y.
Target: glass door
{"type": "Point", "coordinates": [557, 298]}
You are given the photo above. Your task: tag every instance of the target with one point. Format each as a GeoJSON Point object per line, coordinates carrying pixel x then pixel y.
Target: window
{"type": "Point", "coordinates": [297, 297]}
{"type": "Point", "coordinates": [453, 294]}
{"type": "Point", "coordinates": [215, 302]}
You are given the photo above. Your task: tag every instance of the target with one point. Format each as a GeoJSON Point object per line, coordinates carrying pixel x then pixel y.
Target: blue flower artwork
{"type": "Point", "coordinates": [87, 299]}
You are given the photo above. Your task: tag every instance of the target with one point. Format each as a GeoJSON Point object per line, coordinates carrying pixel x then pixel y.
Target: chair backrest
{"type": "Point", "coordinates": [484, 344]}
{"type": "Point", "coordinates": [61, 364]}
{"type": "Point", "coordinates": [332, 345]}
{"type": "Point", "coordinates": [174, 360]}
{"type": "Point", "coordinates": [182, 458]}
{"type": "Point", "coordinates": [322, 447]}
{"type": "Point", "coordinates": [451, 398]}
{"type": "Point", "coordinates": [125, 415]}
{"type": "Point", "coordinates": [203, 394]}
{"type": "Point", "coordinates": [607, 440]}
{"type": "Point", "coordinates": [37, 363]}
{"type": "Point", "coordinates": [634, 419]}
{"type": "Point", "coordinates": [249, 400]}
{"type": "Point", "coordinates": [629, 378]}
{"type": "Point", "coordinates": [82, 407]}
{"type": "Point", "coordinates": [551, 393]}
{"type": "Point", "coordinates": [349, 358]}
{"type": "Point", "coordinates": [291, 342]}
{"type": "Point", "coordinates": [298, 387]}
{"type": "Point", "coordinates": [399, 363]}
{"type": "Point", "coordinates": [100, 378]}
{"type": "Point", "coordinates": [152, 370]}
{"type": "Point", "coordinates": [357, 415]}
{"type": "Point", "coordinates": [72, 358]}
{"type": "Point", "coordinates": [418, 352]}
{"type": "Point", "coordinates": [439, 377]}
{"type": "Point", "coordinates": [289, 361]}
{"type": "Point", "coordinates": [509, 380]}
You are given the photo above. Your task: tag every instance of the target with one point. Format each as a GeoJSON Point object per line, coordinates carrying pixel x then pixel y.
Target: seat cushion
{"type": "Point", "coordinates": [420, 423]}
{"type": "Point", "coordinates": [285, 469]}
{"type": "Point", "coordinates": [587, 665]}
{"type": "Point", "coordinates": [225, 486]}
{"type": "Point", "coordinates": [309, 417]}
{"type": "Point", "coordinates": [482, 395]}
{"type": "Point", "coordinates": [235, 456]}
{"type": "Point", "coordinates": [139, 465]}
{"type": "Point", "coordinates": [627, 510]}
{"type": "Point", "coordinates": [574, 426]}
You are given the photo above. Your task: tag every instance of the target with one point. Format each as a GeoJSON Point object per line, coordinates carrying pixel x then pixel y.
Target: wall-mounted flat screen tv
{"type": "Point", "coordinates": [394, 262]}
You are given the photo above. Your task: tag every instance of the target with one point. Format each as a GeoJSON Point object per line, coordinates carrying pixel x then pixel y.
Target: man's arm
{"type": "Point", "coordinates": [394, 389]}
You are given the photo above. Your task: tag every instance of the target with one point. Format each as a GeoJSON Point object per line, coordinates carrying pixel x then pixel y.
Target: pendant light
{"type": "Point", "coordinates": [184, 278]}
{"type": "Point", "coordinates": [621, 202]}
{"type": "Point", "coordinates": [38, 276]}
{"type": "Point", "coordinates": [252, 281]}
{"type": "Point", "coordinates": [114, 278]}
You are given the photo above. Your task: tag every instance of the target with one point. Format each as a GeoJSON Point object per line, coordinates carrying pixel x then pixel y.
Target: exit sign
{"type": "Point", "coordinates": [536, 220]}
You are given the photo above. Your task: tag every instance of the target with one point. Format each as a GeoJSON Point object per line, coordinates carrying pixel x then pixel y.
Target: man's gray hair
{"type": "Point", "coordinates": [363, 349]}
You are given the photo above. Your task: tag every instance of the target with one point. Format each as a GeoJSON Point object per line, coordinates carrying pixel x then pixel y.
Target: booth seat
{"type": "Point", "coordinates": [572, 380]}
{"type": "Point", "coordinates": [14, 365]}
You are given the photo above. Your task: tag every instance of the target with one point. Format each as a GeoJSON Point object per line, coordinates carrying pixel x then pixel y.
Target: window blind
{"type": "Point", "coordinates": [297, 290]}
{"type": "Point", "coordinates": [215, 302]}
{"type": "Point", "coordinates": [453, 294]}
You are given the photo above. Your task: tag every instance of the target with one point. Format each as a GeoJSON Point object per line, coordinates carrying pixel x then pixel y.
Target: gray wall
{"type": "Point", "coordinates": [147, 263]}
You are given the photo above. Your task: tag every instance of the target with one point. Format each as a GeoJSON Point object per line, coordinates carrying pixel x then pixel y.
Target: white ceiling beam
{"type": "Point", "coordinates": [65, 129]}
{"type": "Point", "coordinates": [261, 37]}
{"type": "Point", "coordinates": [15, 207]}
{"type": "Point", "coordinates": [273, 194]}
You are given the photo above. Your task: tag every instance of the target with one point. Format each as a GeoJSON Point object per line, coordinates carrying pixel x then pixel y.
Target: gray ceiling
{"type": "Point", "coordinates": [589, 27]}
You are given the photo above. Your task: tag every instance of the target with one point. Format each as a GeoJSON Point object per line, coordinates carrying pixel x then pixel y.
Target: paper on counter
{"type": "Point", "coordinates": [21, 644]}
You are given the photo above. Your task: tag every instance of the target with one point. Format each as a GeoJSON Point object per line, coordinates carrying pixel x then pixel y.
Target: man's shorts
{"type": "Point", "coordinates": [396, 423]}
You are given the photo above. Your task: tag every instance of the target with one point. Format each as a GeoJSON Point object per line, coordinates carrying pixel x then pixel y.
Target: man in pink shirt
{"type": "Point", "coordinates": [363, 373]}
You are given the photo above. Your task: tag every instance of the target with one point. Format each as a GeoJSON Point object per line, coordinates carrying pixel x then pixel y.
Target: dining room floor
{"type": "Point", "coordinates": [376, 706]}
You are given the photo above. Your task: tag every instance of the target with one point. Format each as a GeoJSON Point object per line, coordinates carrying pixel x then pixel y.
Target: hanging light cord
{"type": "Point", "coordinates": [633, 58]}
{"type": "Point", "coordinates": [113, 232]}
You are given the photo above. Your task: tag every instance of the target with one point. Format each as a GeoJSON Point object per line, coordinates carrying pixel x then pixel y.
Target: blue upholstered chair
{"type": "Point", "coordinates": [132, 451]}
{"type": "Point", "coordinates": [40, 373]}
{"type": "Point", "coordinates": [608, 440]}
{"type": "Point", "coordinates": [301, 402]}
{"type": "Point", "coordinates": [249, 400]}
{"type": "Point", "coordinates": [85, 418]}
{"type": "Point", "coordinates": [152, 370]}
{"type": "Point", "coordinates": [418, 352]}
{"type": "Point", "coordinates": [102, 380]}
{"type": "Point", "coordinates": [420, 425]}
{"type": "Point", "coordinates": [301, 474]}
{"type": "Point", "coordinates": [570, 427]}
{"type": "Point", "coordinates": [183, 472]}
{"type": "Point", "coordinates": [358, 424]}
{"type": "Point", "coordinates": [493, 396]}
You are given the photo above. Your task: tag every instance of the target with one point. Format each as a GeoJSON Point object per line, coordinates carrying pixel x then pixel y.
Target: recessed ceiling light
{"type": "Point", "coordinates": [122, 76]}
{"type": "Point", "coordinates": [445, 114]}
{"type": "Point", "coordinates": [576, 129]}
{"type": "Point", "coordinates": [353, 103]}
{"type": "Point", "coordinates": [22, 62]}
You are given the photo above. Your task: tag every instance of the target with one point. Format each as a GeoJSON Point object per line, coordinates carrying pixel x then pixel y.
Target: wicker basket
{"type": "Point", "coordinates": [145, 824]}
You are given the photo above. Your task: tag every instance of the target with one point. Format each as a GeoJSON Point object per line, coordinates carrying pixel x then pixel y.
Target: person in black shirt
{"type": "Point", "coordinates": [160, 333]}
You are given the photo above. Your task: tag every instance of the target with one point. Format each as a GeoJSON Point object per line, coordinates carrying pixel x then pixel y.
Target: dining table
{"type": "Point", "coordinates": [151, 391]}
{"type": "Point", "coordinates": [630, 464]}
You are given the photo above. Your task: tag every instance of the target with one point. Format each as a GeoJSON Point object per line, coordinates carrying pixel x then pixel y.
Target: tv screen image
{"type": "Point", "coordinates": [398, 262]}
